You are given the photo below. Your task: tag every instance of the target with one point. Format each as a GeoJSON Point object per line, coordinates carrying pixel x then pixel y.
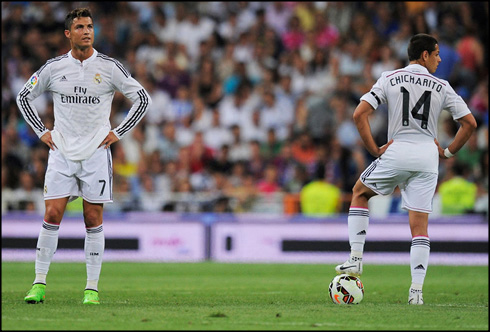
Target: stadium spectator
{"type": "Point", "coordinates": [200, 154]}
{"type": "Point", "coordinates": [271, 147]}
{"type": "Point", "coordinates": [174, 75]}
{"type": "Point", "coordinates": [319, 198]}
{"type": "Point", "coordinates": [305, 11]}
{"type": "Point", "coordinates": [14, 156]}
{"type": "Point", "coordinates": [449, 28]}
{"type": "Point", "coordinates": [470, 154]}
{"type": "Point", "coordinates": [252, 129]}
{"type": "Point", "coordinates": [236, 108]}
{"type": "Point", "coordinates": [27, 197]}
{"type": "Point", "coordinates": [167, 143]}
{"type": "Point", "coordinates": [202, 115]}
{"type": "Point", "coordinates": [268, 184]}
{"type": "Point", "coordinates": [283, 89]}
{"type": "Point", "coordinates": [457, 193]}
{"type": "Point", "coordinates": [385, 62]}
{"type": "Point", "coordinates": [340, 15]}
{"type": "Point", "coordinates": [276, 114]}
{"type": "Point", "coordinates": [240, 149]}
{"type": "Point", "coordinates": [229, 29]}
{"type": "Point", "coordinates": [221, 162]}
{"type": "Point", "coordinates": [194, 29]}
{"type": "Point", "coordinates": [149, 199]}
{"type": "Point", "coordinates": [400, 39]}
{"type": "Point", "coordinates": [243, 53]}
{"type": "Point", "coordinates": [294, 36]}
{"type": "Point", "coordinates": [471, 51]}
{"type": "Point", "coordinates": [151, 52]}
{"type": "Point", "coordinates": [244, 194]}
{"type": "Point", "coordinates": [277, 16]}
{"type": "Point", "coordinates": [479, 101]}
{"type": "Point", "coordinates": [303, 149]}
{"type": "Point", "coordinates": [216, 135]}
{"type": "Point", "coordinates": [385, 21]}
{"type": "Point", "coordinates": [180, 106]}
{"type": "Point", "coordinates": [326, 35]}
{"type": "Point", "coordinates": [255, 164]}
{"type": "Point", "coordinates": [202, 83]}
{"type": "Point", "coordinates": [185, 133]}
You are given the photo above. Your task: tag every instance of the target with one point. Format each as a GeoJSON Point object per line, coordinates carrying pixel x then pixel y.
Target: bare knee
{"type": "Point", "coordinates": [92, 214]}
{"type": "Point", "coordinates": [53, 214]}
{"type": "Point", "coordinates": [54, 210]}
{"type": "Point", "coordinates": [361, 195]}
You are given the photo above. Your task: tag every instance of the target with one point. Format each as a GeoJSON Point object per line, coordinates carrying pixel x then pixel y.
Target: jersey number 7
{"type": "Point", "coordinates": [423, 100]}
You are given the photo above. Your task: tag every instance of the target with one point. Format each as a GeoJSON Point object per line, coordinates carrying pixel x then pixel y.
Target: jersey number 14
{"type": "Point", "coordinates": [423, 100]}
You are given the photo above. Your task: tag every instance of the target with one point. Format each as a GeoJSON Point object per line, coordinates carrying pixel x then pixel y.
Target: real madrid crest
{"type": "Point", "coordinates": [97, 79]}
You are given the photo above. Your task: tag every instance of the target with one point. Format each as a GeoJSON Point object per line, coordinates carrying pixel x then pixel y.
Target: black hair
{"type": "Point", "coordinates": [319, 173]}
{"type": "Point", "coordinates": [419, 43]}
{"type": "Point", "coordinates": [76, 13]}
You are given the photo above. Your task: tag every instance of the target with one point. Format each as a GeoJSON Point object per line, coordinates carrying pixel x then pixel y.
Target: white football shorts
{"type": "Point", "coordinates": [417, 188]}
{"type": "Point", "coordinates": [91, 178]}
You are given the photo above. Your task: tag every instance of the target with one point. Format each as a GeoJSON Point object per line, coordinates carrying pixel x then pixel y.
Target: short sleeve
{"type": "Point", "coordinates": [454, 104]}
{"type": "Point", "coordinates": [376, 96]}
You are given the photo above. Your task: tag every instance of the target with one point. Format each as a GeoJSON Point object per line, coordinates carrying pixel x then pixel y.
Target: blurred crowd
{"type": "Point", "coordinates": [250, 99]}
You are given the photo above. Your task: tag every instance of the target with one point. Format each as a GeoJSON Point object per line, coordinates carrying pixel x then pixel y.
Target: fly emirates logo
{"type": "Point", "coordinates": [80, 97]}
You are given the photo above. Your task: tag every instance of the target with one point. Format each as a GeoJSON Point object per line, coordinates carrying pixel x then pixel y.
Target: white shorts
{"type": "Point", "coordinates": [91, 178]}
{"type": "Point", "coordinates": [417, 188]}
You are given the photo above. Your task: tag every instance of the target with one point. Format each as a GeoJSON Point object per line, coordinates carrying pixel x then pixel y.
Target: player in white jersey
{"type": "Point", "coordinates": [410, 158]}
{"type": "Point", "coordinates": [83, 83]}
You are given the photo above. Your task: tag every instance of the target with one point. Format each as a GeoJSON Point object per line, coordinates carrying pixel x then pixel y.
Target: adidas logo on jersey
{"type": "Point", "coordinates": [63, 79]}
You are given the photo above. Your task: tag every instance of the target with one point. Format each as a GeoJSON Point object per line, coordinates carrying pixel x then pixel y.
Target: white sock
{"type": "Point", "coordinates": [47, 243]}
{"type": "Point", "coordinates": [94, 249]}
{"type": "Point", "coordinates": [419, 260]}
{"type": "Point", "coordinates": [92, 284]}
{"type": "Point", "coordinates": [40, 278]}
{"type": "Point", "coordinates": [357, 225]}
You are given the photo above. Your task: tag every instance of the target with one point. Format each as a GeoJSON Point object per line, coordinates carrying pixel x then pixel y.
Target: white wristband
{"type": "Point", "coordinates": [447, 153]}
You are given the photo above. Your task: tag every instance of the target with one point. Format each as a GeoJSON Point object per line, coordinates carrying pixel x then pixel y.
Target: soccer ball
{"type": "Point", "coordinates": [346, 289]}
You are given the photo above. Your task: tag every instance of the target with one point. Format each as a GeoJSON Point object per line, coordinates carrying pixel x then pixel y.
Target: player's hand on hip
{"type": "Point", "coordinates": [441, 150]}
{"type": "Point", "coordinates": [48, 140]}
{"type": "Point", "coordinates": [109, 139]}
{"type": "Point", "coordinates": [384, 148]}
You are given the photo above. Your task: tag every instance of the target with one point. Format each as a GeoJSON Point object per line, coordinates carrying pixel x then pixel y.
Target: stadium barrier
{"type": "Point", "coordinates": [267, 238]}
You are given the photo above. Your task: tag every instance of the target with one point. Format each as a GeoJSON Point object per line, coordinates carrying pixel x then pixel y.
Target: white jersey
{"type": "Point", "coordinates": [82, 96]}
{"type": "Point", "coordinates": [415, 100]}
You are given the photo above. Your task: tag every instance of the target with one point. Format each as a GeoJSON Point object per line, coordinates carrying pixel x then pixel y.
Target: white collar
{"type": "Point", "coordinates": [417, 68]}
{"type": "Point", "coordinates": [93, 56]}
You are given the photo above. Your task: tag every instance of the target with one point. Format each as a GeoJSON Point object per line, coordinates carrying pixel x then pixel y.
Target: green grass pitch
{"type": "Point", "coordinates": [229, 296]}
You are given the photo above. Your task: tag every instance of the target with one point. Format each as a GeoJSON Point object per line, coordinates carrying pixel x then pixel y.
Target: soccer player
{"type": "Point", "coordinates": [410, 158]}
{"type": "Point", "coordinates": [82, 82]}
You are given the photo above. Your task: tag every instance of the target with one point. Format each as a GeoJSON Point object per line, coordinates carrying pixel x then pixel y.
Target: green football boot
{"type": "Point", "coordinates": [90, 297]}
{"type": "Point", "coordinates": [36, 294]}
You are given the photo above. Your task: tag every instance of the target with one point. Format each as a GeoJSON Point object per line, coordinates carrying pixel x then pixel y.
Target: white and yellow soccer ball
{"type": "Point", "coordinates": [346, 289]}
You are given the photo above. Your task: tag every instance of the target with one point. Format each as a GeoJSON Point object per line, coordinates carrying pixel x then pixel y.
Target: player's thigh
{"type": "Point", "coordinates": [418, 192]}
{"type": "Point", "coordinates": [381, 178]}
{"type": "Point", "coordinates": [60, 179]}
{"type": "Point", "coordinates": [96, 177]}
